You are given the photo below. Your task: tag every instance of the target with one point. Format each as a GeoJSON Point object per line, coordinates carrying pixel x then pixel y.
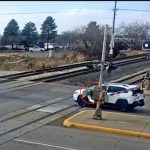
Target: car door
{"type": "Point", "coordinates": [36, 48]}
{"type": "Point", "coordinates": [114, 93]}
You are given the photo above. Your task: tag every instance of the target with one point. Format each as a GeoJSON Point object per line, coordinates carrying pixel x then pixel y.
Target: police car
{"type": "Point", "coordinates": [122, 96]}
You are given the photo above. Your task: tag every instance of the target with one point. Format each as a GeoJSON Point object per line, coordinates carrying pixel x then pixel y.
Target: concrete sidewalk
{"type": "Point", "coordinates": [118, 123]}
{"type": "Point", "coordinates": [146, 92]}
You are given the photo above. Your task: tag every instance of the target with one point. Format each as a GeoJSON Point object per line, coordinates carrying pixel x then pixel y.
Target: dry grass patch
{"type": "Point", "coordinates": [135, 52]}
{"type": "Point", "coordinates": [124, 54]}
{"type": "Point", "coordinates": [24, 63]}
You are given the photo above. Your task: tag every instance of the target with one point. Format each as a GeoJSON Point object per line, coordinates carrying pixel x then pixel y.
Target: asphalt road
{"type": "Point", "coordinates": [58, 137]}
{"type": "Point", "coordinates": [12, 99]}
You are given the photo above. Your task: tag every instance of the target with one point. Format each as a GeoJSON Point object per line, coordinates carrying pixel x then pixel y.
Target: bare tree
{"type": "Point", "coordinates": [87, 39]}
{"type": "Point", "coordinates": [135, 32]}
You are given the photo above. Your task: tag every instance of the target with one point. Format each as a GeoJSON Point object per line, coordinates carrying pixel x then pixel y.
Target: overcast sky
{"type": "Point", "coordinates": [80, 13]}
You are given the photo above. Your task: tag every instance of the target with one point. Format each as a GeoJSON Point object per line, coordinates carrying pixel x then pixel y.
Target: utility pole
{"type": "Point", "coordinates": [114, 18]}
{"type": "Point", "coordinates": [113, 30]}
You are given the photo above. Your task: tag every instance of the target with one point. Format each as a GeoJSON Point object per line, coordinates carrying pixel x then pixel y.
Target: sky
{"type": "Point", "coordinates": [69, 15]}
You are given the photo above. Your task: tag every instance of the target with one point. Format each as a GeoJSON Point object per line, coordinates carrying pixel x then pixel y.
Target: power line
{"type": "Point", "coordinates": [53, 12]}
{"type": "Point", "coordinates": [134, 10]}
{"type": "Point", "coordinates": [14, 5]}
{"type": "Point", "coordinates": [69, 11]}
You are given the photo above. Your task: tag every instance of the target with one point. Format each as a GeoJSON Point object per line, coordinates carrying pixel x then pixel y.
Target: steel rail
{"type": "Point", "coordinates": [68, 66]}
{"type": "Point", "coordinates": [19, 128]}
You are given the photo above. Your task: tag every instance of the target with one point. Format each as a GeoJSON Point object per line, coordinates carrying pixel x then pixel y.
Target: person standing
{"type": "Point", "coordinates": [98, 95]}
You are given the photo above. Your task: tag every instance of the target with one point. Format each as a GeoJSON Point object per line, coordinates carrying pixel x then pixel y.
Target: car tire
{"type": "Point", "coordinates": [41, 51]}
{"type": "Point", "coordinates": [121, 105]}
{"type": "Point", "coordinates": [81, 102]}
{"type": "Point", "coordinates": [31, 51]}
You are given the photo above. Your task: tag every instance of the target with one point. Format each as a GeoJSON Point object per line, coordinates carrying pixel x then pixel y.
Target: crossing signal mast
{"type": "Point", "coordinates": [109, 68]}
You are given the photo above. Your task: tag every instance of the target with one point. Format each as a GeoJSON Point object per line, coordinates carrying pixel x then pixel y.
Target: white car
{"type": "Point", "coordinates": [122, 96]}
{"type": "Point", "coordinates": [36, 49]}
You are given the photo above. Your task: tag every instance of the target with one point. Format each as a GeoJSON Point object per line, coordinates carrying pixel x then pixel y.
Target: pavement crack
{"type": "Point", "coordinates": [144, 128]}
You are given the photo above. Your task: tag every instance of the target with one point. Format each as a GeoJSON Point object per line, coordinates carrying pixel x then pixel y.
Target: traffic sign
{"type": "Point", "coordinates": [146, 45]}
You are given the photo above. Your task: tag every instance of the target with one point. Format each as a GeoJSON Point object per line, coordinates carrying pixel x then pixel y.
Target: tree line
{"type": "Point", "coordinates": [87, 39]}
{"type": "Point", "coordinates": [29, 36]}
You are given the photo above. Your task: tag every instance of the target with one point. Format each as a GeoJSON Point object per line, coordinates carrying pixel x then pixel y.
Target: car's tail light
{"type": "Point", "coordinates": [134, 93]}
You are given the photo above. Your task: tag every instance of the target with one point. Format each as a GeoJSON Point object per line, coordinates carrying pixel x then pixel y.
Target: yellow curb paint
{"type": "Point", "coordinates": [112, 130]}
{"type": "Point", "coordinates": [68, 123]}
{"type": "Point", "coordinates": [145, 135]}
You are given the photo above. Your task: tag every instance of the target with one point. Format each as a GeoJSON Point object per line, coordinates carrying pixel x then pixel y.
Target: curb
{"type": "Point", "coordinates": [130, 76]}
{"type": "Point", "coordinates": [68, 123]}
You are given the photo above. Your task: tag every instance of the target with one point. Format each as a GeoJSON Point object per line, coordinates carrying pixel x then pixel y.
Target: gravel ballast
{"type": "Point", "coordinates": [115, 74]}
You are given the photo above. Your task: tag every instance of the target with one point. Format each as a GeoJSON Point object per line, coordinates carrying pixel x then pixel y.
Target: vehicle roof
{"type": "Point", "coordinates": [127, 86]}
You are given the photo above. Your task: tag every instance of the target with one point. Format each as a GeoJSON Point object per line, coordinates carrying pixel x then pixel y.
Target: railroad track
{"type": "Point", "coordinates": [63, 75]}
{"type": "Point", "coordinates": [22, 121]}
{"type": "Point", "coordinates": [84, 71]}
{"type": "Point", "coordinates": [128, 61]}
{"type": "Point", "coordinates": [132, 79]}
{"type": "Point", "coordinates": [37, 72]}
{"type": "Point", "coordinates": [67, 74]}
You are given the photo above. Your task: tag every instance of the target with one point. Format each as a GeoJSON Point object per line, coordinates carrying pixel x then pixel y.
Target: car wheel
{"type": "Point", "coordinates": [41, 50]}
{"type": "Point", "coordinates": [121, 105]}
{"type": "Point", "coordinates": [31, 51]}
{"type": "Point", "coordinates": [81, 102]}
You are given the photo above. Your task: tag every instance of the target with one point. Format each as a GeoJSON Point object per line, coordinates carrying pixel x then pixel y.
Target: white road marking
{"type": "Point", "coordinates": [52, 108]}
{"type": "Point", "coordinates": [42, 144]}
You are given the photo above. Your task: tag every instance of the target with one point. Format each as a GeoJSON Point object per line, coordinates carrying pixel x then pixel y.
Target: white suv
{"type": "Point", "coordinates": [122, 96]}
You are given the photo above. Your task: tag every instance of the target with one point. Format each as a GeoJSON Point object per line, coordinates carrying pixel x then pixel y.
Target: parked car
{"type": "Point", "coordinates": [36, 49]}
{"type": "Point", "coordinates": [8, 47]}
{"type": "Point", "coordinates": [122, 96]}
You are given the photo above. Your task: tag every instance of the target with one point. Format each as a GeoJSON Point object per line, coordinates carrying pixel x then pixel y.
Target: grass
{"type": "Point", "coordinates": [131, 53]}
{"type": "Point", "coordinates": [26, 63]}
